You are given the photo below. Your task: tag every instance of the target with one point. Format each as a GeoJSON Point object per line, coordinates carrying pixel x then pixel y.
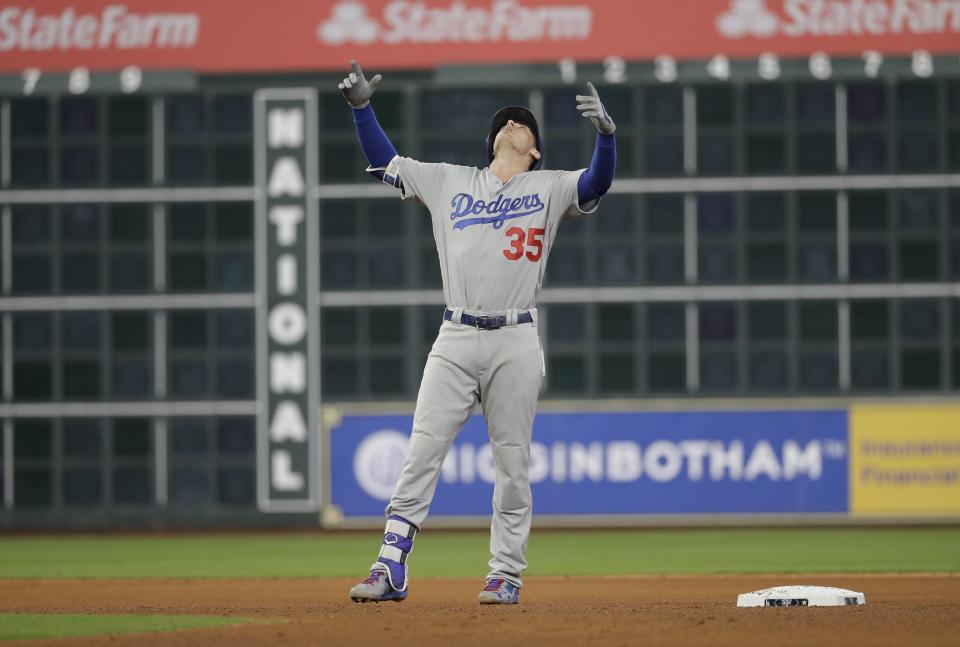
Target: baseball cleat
{"type": "Point", "coordinates": [376, 588]}
{"type": "Point", "coordinates": [499, 591]}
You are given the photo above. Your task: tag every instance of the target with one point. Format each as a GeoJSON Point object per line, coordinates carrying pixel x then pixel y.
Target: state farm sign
{"type": "Point", "coordinates": [417, 22]}
{"type": "Point", "coordinates": [222, 36]}
{"type": "Point", "coordinates": [804, 18]}
{"type": "Point", "coordinates": [113, 26]}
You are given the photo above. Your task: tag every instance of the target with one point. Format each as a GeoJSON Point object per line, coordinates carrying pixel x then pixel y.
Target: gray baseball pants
{"type": "Point", "coordinates": [503, 370]}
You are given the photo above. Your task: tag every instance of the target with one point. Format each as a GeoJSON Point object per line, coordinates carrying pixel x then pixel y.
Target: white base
{"type": "Point", "coordinates": [801, 596]}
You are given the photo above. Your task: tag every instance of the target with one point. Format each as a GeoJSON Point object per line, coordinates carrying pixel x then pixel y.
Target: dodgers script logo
{"type": "Point", "coordinates": [499, 211]}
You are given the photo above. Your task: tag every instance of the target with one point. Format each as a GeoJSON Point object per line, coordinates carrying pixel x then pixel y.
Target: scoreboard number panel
{"type": "Point", "coordinates": [80, 80]}
{"type": "Point", "coordinates": [817, 66]}
{"type": "Point", "coordinates": [720, 68]}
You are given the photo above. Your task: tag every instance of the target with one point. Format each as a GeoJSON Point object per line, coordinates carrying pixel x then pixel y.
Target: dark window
{"type": "Point", "coordinates": [33, 486]}
{"type": "Point", "coordinates": [768, 320]}
{"type": "Point", "coordinates": [130, 331]}
{"type": "Point", "coordinates": [32, 380]}
{"type": "Point", "coordinates": [920, 319]}
{"type": "Point", "coordinates": [189, 485]}
{"type": "Point", "coordinates": [129, 164]}
{"type": "Point", "coordinates": [82, 437]}
{"type": "Point", "coordinates": [769, 370]}
{"type": "Point", "coordinates": [339, 326]}
{"type": "Point", "coordinates": [30, 117]}
{"type": "Point", "coordinates": [765, 104]}
{"type": "Point", "coordinates": [234, 114]}
{"type": "Point", "coordinates": [869, 369]}
{"type": "Point", "coordinates": [81, 380]}
{"type": "Point", "coordinates": [32, 331]}
{"type": "Point", "coordinates": [815, 103]}
{"type": "Point", "coordinates": [715, 105]}
{"type": "Point", "coordinates": [236, 485]}
{"type": "Point", "coordinates": [920, 369]}
{"type": "Point", "coordinates": [234, 328]}
{"type": "Point", "coordinates": [567, 323]}
{"type": "Point", "coordinates": [917, 102]}
{"type": "Point", "coordinates": [867, 152]}
{"type": "Point", "coordinates": [869, 320]}
{"type": "Point", "coordinates": [82, 486]}
{"type": "Point", "coordinates": [718, 322]}
{"type": "Point", "coordinates": [131, 378]}
{"type": "Point", "coordinates": [867, 102]}
{"type": "Point", "coordinates": [32, 439]}
{"type": "Point", "coordinates": [129, 223]}
{"type": "Point", "coordinates": [617, 373]}
{"type": "Point", "coordinates": [667, 372]}
{"type": "Point", "coordinates": [341, 376]}
{"type": "Point", "coordinates": [615, 322]}
{"type": "Point", "coordinates": [236, 436]}
{"type": "Point", "coordinates": [131, 437]}
{"type": "Point", "coordinates": [79, 116]}
{"type": "Point", "coordinates": [818, 321]}
{"type": "Point", "coordinates": [718, 371]}
{"type": "Point", "coordinates": [664, 105]}
{"type": "Point", "coordinates": [235, 378]}
{"type": "Point", "coordinates": [387, 326]}
{"type": "Point", "coordinates": [666, 322]}
{"type": "Point", "coordinates": [132, 485]}
{"type": "Point", "coordinates": [129, 115]}
{"type": "Point", "coordinates": [566, 373]}
{"type": "Point", "coordinates": [387, 376]}
{"type": "Point", "coordinates": [188, 437]}
{"type": "Point", "coordinates": [185, 115]}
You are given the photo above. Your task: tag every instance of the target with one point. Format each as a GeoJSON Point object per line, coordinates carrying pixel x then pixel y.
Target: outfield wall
{"type": "Point", "coordinates": [863, 463]}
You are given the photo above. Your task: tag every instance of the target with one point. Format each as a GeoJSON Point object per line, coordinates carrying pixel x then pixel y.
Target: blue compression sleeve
{"type": "Point", "coordinates": [598, 177]}
{"type": "Point", "coordinates": [374, 142]}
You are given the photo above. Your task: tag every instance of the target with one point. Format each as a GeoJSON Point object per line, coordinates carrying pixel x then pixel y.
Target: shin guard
{"type": "Point", "coordinates": [397, 544]}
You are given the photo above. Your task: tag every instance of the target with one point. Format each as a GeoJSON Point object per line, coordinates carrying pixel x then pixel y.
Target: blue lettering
{"type": "Point", "coordinates": [499, 210]}
{"type": "Point", "coordinates": [462, 203]}
{"type": "Point", "coordinates": [494, 207]}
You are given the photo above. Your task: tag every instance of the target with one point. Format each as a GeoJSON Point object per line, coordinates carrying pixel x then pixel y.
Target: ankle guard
{"type": "Point", "coordinates": [397, 544]}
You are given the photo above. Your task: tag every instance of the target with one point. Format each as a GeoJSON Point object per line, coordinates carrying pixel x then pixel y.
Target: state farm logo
{"type": "Point", "coordinates": [805, 18]}
{"type": "Point", "coordinates": [348, 23]}
{"type": "Point", "coordinates": [113, 27]}
{"type": "Point", "coordinates": [415, 22]}
{"type": "Point", "coordinates": [747, 17]}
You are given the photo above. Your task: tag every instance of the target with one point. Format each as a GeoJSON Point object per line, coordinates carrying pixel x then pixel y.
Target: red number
{"type": "Point", "coordinates": [516, 244]}
{"type": "Point", "coordinates": [533, 238]}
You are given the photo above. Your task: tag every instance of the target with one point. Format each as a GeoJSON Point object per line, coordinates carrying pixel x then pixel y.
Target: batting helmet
{"type": "Point", "coordinates": [520, 115]}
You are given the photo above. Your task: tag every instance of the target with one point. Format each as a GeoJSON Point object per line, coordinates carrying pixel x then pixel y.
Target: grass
{"type": "Point", "coordinates": [22, 626]}
{"type": "Point", "coordinates": [464, 554]}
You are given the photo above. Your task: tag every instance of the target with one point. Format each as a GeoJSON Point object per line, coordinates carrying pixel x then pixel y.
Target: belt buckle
{"type": "Point", "coordinates": [487, 323]}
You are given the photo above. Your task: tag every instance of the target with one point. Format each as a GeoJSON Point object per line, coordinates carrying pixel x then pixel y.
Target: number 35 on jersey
{"type": "Point", "coordinates": [524, 243]}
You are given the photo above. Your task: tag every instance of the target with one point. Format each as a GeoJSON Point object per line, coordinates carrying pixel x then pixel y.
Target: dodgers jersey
{"type": "Point", "coordinates": [493, 238]}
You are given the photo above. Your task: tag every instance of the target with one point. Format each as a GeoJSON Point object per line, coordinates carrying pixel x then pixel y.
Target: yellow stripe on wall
{"type": "Point", "coordinates": [905, 460]}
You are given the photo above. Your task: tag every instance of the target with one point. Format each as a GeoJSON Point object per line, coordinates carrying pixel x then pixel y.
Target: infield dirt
{"type": "Point", "coordinates": [635, 610]}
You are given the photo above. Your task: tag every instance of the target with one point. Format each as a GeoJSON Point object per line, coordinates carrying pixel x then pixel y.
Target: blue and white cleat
{"type": "Point", "coordinates": [376, 588]}
{"type": "Point", "coordinates": [499, 591]}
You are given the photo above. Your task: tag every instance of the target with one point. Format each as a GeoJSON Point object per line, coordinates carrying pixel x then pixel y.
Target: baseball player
{"type": "Point", "coordinates": [494, 228]}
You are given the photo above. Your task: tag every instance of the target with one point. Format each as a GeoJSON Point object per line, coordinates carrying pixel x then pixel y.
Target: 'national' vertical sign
{"type": "Point", "coordinates": [288, 361]}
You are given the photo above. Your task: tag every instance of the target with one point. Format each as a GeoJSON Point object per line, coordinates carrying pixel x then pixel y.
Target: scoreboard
{"type": "Point", "coordinates": [613, 69]}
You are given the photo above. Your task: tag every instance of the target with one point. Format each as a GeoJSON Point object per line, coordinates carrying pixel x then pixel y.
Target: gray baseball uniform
{"type": "Point", "coordinates": [493, 240]}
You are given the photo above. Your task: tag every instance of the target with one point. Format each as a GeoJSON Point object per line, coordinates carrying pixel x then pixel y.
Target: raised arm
{"type": "Point", "coordinates": [596, 180]}
{"type": "Point", "coordinates": [374, 142]}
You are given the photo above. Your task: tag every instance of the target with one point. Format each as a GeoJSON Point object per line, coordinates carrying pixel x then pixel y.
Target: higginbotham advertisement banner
{"type": "Point", "coordinates": [693, 463]}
